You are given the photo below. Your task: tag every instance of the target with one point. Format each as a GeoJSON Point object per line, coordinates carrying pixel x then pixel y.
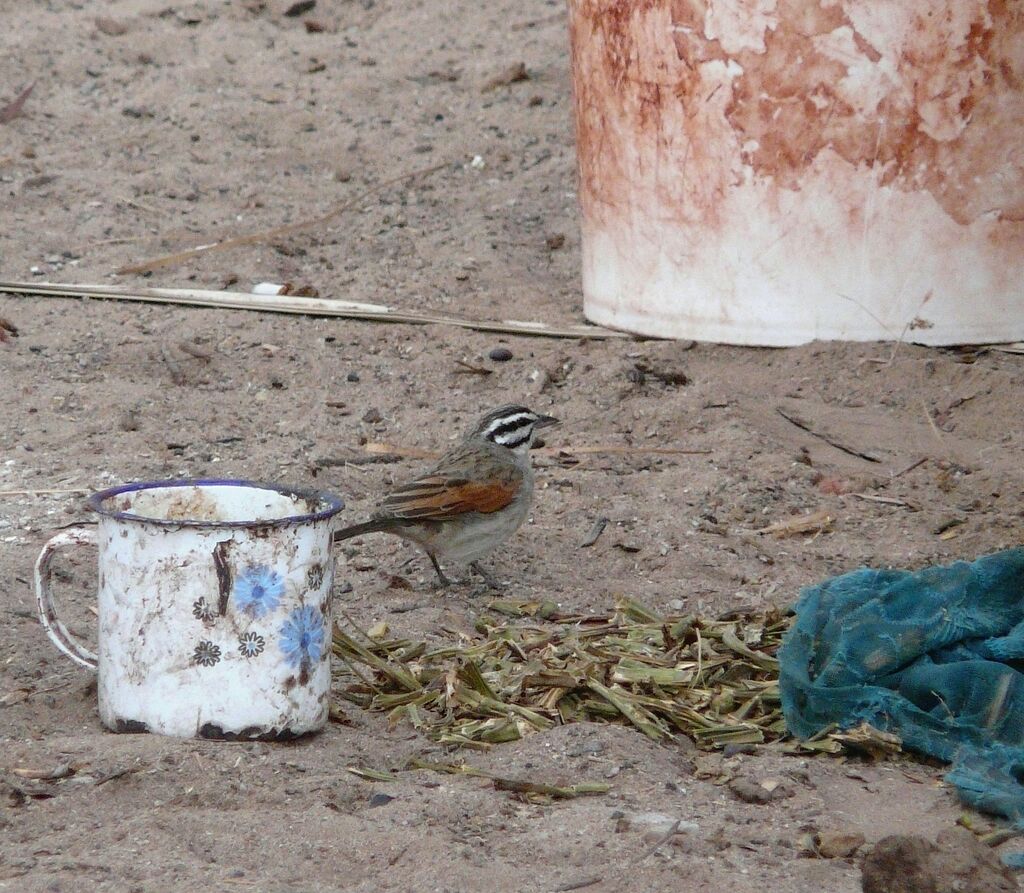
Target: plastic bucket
{"type": "Point", "coordinates": [754, 172]}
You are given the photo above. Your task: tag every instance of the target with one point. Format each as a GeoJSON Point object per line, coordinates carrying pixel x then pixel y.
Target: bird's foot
{"type": "Point", "coordinates": [442, 581]}
{"type": "Point", "coordinates": [487, 577]}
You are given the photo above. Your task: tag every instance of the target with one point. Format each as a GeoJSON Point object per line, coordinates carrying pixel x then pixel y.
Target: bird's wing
{"type": "Point", "coordinates": [447, 492]}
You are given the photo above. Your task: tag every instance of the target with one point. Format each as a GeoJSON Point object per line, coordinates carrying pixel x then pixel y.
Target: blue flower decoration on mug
{"type": "Point", "coordinates": [258, 590]}
{"type": "Point", "coordinates": [302, 636]}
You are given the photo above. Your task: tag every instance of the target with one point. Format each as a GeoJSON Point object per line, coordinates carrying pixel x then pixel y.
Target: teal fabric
{"type": "Point", "coordinates": [934, 656]}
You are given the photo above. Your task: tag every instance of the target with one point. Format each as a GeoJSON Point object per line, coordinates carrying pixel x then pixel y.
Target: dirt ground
{"type": "Point", "coordinates": [161, 127]}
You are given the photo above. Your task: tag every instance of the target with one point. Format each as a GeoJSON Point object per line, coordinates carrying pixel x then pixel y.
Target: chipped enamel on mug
{"type": "Point", "coordinates": [214, 608]}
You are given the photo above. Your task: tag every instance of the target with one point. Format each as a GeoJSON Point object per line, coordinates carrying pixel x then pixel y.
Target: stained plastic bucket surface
{"type": "Point", "coordinates": [759, 172]}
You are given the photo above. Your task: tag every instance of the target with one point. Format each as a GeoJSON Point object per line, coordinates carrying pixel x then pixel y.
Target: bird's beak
{"type": "Point", "coordinates": [545, 421]}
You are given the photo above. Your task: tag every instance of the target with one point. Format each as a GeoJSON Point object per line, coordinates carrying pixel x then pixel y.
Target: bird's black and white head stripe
{"type": "Point", "coordinates": [511, 426]}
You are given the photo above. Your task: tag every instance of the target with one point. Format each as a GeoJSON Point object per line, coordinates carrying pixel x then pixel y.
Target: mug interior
{"type": "Point", "coordinates": [214, 503]}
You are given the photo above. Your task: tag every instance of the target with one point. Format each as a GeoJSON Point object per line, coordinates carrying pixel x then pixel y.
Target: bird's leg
{"type": "Point", "coordinates": [486, 576]}
{"type": "Point", "coordinates": [442, 579]}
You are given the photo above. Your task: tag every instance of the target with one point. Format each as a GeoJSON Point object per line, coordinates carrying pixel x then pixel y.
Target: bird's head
{"type": "Point", "coordinates": [512, 426]}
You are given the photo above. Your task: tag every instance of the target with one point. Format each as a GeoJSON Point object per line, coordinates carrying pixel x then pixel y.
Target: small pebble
{"type": "Point", "coordinates": [372, 416]}
{"type": "Point", "coordinates": [380, 800]}
{"type": "Point", "coordinates": [838, 844]}
{"type": "Point", "coordinates": [352, 376]}
{"type": "Point", "coordinates": [500, 354]}
{"type": "Point", "coordinates": [732, 750]}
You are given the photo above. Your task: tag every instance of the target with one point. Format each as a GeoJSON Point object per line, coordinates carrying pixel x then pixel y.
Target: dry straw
{"type": "Point", "coordinates": [530, 667]}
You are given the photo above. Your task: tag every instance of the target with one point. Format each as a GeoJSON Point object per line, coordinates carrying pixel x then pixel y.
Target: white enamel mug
{"type": "Point", "coordinates": [214, 608]}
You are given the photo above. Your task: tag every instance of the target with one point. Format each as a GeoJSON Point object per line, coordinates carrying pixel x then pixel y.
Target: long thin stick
{"type": "Point", "coordinates": [294, 304]}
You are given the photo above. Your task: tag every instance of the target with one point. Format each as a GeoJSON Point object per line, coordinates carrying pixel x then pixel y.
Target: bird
{"type": "Point", "coordinates": [472, 500]}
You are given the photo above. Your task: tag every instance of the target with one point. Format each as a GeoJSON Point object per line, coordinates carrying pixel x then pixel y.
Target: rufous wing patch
{"type": "Point", "coordinates": [437, 497]}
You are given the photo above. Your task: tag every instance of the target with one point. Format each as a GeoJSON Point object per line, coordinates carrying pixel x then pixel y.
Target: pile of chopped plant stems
{"type": "Point", "coordinates": [530, 667]}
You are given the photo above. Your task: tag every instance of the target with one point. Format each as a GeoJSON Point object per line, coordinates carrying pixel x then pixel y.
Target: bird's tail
{"type": "Point", "coordinates": [346, 533]}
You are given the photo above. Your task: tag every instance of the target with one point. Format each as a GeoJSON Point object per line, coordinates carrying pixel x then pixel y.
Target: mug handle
{"type": "Point", "coordinates": [55, 629]}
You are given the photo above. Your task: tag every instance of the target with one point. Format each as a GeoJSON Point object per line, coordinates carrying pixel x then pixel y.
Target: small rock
{"type": "Point", "coordinates": [111, 27]}
{"type": "Point", "coordinates": [136, 111]}
{"type": "Point", "coordinates": [372, 416]}
{"type": "Point", "coordinates": [555, 241]}
{"type": "Point", "coordinates": [957, 863]}
{"type": "Point", "coordinates": [352, 376]}
{"type": "Point", "coordinates": [838, 844]}
{"type": "Point", "coordinates": [299, 8]}
{"type": "Point", "coordinates": [478, 163]}
{"type": "Point", "coordinates": [732, 750]}
{"type": "Point", "coordinates": [380, 800]}
{"type": "Point", "coordinates": [760, 792]}
{"type": "Point", "coordinates": [39, 181]}
{"type": "Point", "coordinates": [500, 354]}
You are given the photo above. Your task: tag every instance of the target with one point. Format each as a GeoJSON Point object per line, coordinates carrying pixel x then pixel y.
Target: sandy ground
{"type": "Point", "coordinates": [162, 127]}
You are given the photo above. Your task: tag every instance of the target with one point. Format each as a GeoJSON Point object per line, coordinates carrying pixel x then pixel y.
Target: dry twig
{"type": "Point", "coordinates": [804, 426]}
{"type": "Point", "coordinates": [16, 106]}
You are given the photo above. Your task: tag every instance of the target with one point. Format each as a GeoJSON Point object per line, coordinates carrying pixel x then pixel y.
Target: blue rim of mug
{"type": "Point", "coordinates": [333, 504]}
